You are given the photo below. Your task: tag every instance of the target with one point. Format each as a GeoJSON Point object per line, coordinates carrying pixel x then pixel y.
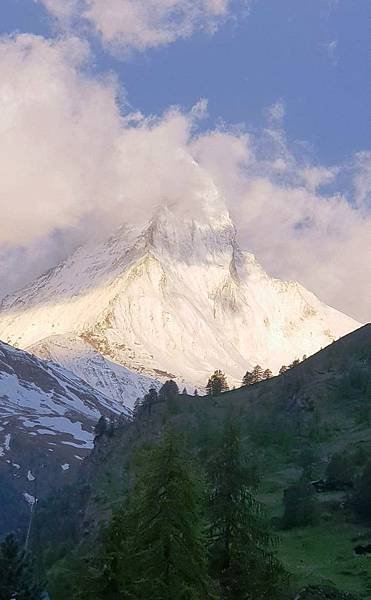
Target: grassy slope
{"type": "Point", "coordinates": [320, 403]}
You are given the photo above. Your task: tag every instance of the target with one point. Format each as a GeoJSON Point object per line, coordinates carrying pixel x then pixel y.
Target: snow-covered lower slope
{"type": "Point", "coordinates": [39, 398]}
{"type": "Point", "coordinates": [116, 382]}
{"type": "Point", "coordinates": [47, 419]}
{"type": "Point", "coordinates": [177, 298]}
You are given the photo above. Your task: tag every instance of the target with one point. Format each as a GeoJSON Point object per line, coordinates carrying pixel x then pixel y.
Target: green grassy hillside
{"type": "Point", "coordinates": [317, 409]}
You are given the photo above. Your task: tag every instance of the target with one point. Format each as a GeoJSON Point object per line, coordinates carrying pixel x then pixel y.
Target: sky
{"type": "Point", "coordinates": [272, 99]}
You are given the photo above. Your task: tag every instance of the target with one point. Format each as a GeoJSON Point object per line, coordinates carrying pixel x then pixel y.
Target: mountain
{"type": "Point", "coordinates": [175, 298]}
{"type": "Point", "coordinates": [115, 381]}
{"type": "Point", "coordinates": [47, 419]}
{"type": "Point", "coordinates": [291, 426]}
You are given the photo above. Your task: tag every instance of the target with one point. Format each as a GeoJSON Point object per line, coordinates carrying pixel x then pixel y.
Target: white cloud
{"type": "Point", "coordinates": [73, 167]}
{"type": "Point", "coordinates": [141, 24]}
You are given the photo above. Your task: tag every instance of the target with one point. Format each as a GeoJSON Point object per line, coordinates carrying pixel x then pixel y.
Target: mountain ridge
{"type": "Point", "coordinates": [175, 296]}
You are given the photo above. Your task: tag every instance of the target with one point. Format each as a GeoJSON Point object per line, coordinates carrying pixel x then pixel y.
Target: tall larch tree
{"type": "Point", "coordinates": [240, 543]}
{"type": "Point", "coordinates": [154, 547]}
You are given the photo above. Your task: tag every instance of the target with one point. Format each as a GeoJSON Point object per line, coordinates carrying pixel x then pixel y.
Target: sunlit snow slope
{"type": "Point", "coordinates": [177, 298]}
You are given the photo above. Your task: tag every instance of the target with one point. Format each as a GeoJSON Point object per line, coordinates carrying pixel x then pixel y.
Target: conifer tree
{"type": "Point", "coordinates": [257, 374]}
{"type": "Point", "coordinates": [240, 544]}
{"type": "Point", "coordinates": [154, 545]}
{"type": "Point", "coordinates": [283, 369]}
{"type": "Point", "coordinates": [247, 379]}
{"type": "Point", "coordinates": [169, 390]}
{"type": "Point", "coordinates": [16, 573]}
{"type": "Point", "coordinates": [217, 383]}
{"type": "Point", "coordinates": [267, 374]}
{"type": "Point", "coordinates": [101, 427]}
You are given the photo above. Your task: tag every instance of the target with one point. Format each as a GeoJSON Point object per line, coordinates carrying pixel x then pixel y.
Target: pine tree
{"type": "Point", "coordinates": [267, 374]}
{"type": "Point", "coordinates": [169, 390]}
{"type": "Point", "coordinates": [16, 573]}
{"type": "Point", "coordinates": [137, 405]}
{"type": "Point", "coordinates": [154, 546]}
{"type": "Point", "coordinates": [241, 546]}
{"type": "Point", "coordinates": [257, 374]}
{"type": "Point", "coordinates": [294, 363]}
{"type": "Point", "coordinates": [283, 369]}
{"type": "Point", "coordinates": [195, 392]}
{"type": "Point", "coordinates": [217, 383]}
{"type": "Point", "coordinates": [247, 379]}
{"type": "Point", "coordinates": [101, 427]}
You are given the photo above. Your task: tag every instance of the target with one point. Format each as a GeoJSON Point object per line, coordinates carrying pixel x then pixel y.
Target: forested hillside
{"type": "Point", "coordinates": [306, 438]}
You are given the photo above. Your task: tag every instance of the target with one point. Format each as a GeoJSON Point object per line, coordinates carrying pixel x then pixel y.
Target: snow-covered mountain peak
{"type": "Point", "coordinates": [175, 235]}
{"type": "Point", "coordinates": [174, 298]}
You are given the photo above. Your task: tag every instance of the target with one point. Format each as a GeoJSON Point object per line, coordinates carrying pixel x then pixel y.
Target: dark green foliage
{"type": "Point", "coordinates": [241, 546]}
{"type": "Point", "coordinates": [16, 573]}
{"type": "Point", "coordinates": [217, 383]}
{"type": "Point", "coordinates": [256, 375]}
{"type": "Point", "coordinates": [294, 363]}
{"type": "Point", "coordinates": [153, 547]}
{"type": "Point", "coordinates": [300, 506]}
{"type": "Point", "coordinates": [361, 501]}
{"type": "Point", "coordinates": [340, 470]}
{"type": "Point", "coordinates": [169, 390]}
{"type": "Point", "coordinates": [267, 374]}
{"type": "Point", "coordinates": [101, 427]}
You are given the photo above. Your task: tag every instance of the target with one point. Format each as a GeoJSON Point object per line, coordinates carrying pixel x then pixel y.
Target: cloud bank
{"type": "Point", "coordinates": [140, 24]}
{"type": "Point", "coordinates": [73, 167]}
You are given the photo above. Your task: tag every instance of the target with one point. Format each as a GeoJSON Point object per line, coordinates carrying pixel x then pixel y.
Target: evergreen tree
{"type": "Point", "coordinates": [195, 392]}
{"type": "Point", "coordinates": [283, 369]}
{"type": "Point", "coordinates": [152, 395]}
{"type": "Point", "coordinates": [154, 547]}
{"type": "Point", "coordinates": [257, 374]}
{"type": "Point", "coordinates": [184, 392]}
{"type": "Point", "coordinates": [16, 573]}
{"type": "Point", "coordinates": [294, 363]}
{"type": "Point", "coordinates": [217, 383]}
{"type": "Point", "coordinates": [101, 427]}
{"type": "Point", "coordinates": [169, 390]}
{"type": "Point", "coordinates": [247, 379]}
{"type": "Point", "coordinates": [241, 546]}
{"type": "Point", "coordinates": [137, 405]}
{"type": "Point", "coordinates": [267, 374]}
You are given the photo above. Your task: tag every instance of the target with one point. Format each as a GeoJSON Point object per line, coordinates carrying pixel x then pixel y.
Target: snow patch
{"type": "Point", "coordinates": [29, 499]}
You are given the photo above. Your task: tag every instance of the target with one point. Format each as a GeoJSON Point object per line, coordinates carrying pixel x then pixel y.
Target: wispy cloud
{"type": "Point", "coordinates": [141, 24]}
{"type": "Point", "coordinates": [72, 167]}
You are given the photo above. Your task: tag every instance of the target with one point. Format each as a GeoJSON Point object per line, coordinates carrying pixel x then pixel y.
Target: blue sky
{"type": "Point", "coordinates": [296, 179]}
{"type": "Point", "coordinates": [314, 56]}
